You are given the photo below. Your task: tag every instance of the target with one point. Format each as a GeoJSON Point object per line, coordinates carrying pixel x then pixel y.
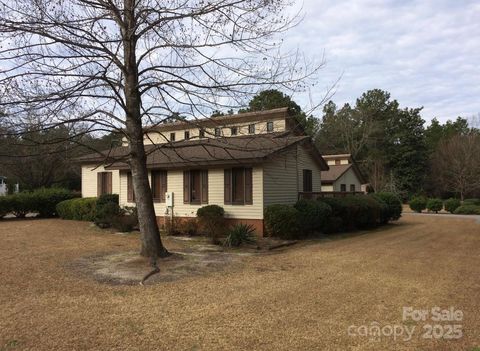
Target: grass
{"type": "Point", "coordinates": [302, 298]}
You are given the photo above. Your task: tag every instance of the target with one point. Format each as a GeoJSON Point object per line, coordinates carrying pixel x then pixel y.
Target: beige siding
{"type": "Point", "coordinates": [349, 177]}
{"type": "Point", "coordinates": [328, 187]}
{"type": "Point", "coordinates": [89, 180]}
{"type": "Point", "coordinates": [215, 195]}
{"type": "Point", "coordinates": [260, 128]}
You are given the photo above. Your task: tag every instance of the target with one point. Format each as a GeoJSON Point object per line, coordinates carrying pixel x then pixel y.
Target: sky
{"type": "Point", "coordinates": [425, 53]}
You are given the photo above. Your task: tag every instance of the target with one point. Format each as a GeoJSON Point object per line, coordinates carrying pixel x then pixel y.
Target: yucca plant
{"type": "Point", "coordinates": [240, 234]}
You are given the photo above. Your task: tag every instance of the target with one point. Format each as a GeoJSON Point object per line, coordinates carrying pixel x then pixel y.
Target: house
{"type": "Point", "coordinates": [242, 162]}
{"type": "Point", "coordinates": [343, 174]}
{"type": "Point", "coordinates": [3, 186]}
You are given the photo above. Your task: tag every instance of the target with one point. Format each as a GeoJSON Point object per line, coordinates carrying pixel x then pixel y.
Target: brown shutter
{"type": "Point", "coordinates": [99, 183]}
{"type": "Point", "coordinates": [248, 186]}
{"type": "Point", "coordinates": [204, 174]}
{"type": "Point", "coordinates": [228, 186]}
{"type": "Point", "coordinates": [163, 185]}
{"type": "Point", "coordinates": [186, 187]}
{"type": "Point", "coordinates": [109, 182]}
{"type": "Point", "coordinates": [130, 196]}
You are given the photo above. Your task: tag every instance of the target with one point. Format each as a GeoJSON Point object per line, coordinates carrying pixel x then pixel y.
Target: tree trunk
{"type": "Point", "coordinates": [151, 242]}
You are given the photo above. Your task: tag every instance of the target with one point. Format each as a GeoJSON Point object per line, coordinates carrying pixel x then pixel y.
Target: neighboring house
{"type": "Point", "coordinates": [343, 174]}
{"type": "Point", "coordinates": [241, 162]}
{"type": "Point", "coordinates": [4, 188]}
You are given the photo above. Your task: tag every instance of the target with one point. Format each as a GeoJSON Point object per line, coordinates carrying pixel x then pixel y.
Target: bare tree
{"type": "Point", "coordinates": [123, 64]}
{"type": "Point", "coordinates": [456, 164]}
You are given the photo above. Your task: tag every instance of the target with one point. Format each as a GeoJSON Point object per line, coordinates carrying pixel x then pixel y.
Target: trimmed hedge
{"type": "Point", "coordinates": [452, 204]}
{"type": "Point", "coordinates": [281, 221]}
{"type": "Point", "coordinates": [394, 205]}
{"type": "Point", "coordinates": [80, 209]}
{"type": "Point", "coordinates": [434, 205]}
{"type": "Point", "coordinates": [42, 201]}
{"type": "Point", "coordinates": [106, 210]}
{"type": "Point", "coordinates": [312, 215]}
{"type": "Point", "coordinates": [468, 209]}
{"type": "Point", "coordinates": [474, 201]}
{"type": "Point", "coordinates": [418, 204]}
{"type": "Point", "coordinates": [211, 219]}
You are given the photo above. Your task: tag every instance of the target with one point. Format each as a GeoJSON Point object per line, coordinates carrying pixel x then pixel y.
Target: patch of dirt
{"type": "Point", "coordinates": [129, 268]}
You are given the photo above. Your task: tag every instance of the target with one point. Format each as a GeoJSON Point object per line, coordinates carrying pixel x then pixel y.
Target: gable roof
{"type": "Point", "coordinates": [336, 171]}
{"type": "Point", "coordinates": [209, 152]}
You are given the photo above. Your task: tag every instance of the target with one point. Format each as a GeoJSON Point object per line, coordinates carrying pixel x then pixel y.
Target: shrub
{"type": "Point", "coordinates": [434, 205]}
{"type": "Point", "coordinates": [21, 204]}
{"type": "Point", "coordinates": [452, 204]}
{"type": "Point", "coordinates": [394, 205]}
{"type": "Point", "coordinates": [475, 202]}
{"type": "Point", "coordinates": [81, 209]}
{"type": "Point", "coordinates": [211, 219]}
{"type": "Point", "coordinates": [312, 215]}
{"type": "Point", "coordinates": [240, 234]}
{"type": "Point", "coordinates": [45, 200]}
{"type": "Point", "coordinates": [281, 221]}
{"type": "Point", "coordinates": [107, 209]}
{"type": "Point", "coordinates": [418, 204]}
{"type": "Point", "coordinates": [334, 225]}
{"type": "Point", "coordinates": [5, 206]}
{"type": "Point", "coordinates": [124, 223]}
{"type": "Point", "coordinates": [468, 209]}
{"type": "Point", "coordinates": [356, 212]}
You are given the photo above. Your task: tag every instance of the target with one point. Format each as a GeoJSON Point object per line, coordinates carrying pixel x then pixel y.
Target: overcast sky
{"type": "Point", "coordinates": [425, 53]}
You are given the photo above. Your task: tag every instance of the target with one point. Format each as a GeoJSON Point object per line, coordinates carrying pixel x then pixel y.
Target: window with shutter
{"type": "Point", "coordinates": [343, 187]}
{"type": "Point", "coordinates": [195, 187]}
{"type": "Point", "coordinates": [204, 175]}
{"type": "Point", "coordinates": [186, 187]}
{"type": "Point", "coordinates": [352, 188]}
{"type": "Point", "coordinates": [238, 186]}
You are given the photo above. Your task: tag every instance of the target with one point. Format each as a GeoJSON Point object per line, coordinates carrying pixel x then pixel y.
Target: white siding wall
{"type": "Point", "coordinates": [215, 195]}
{"type": "Point", "coordinates": [89, 180]}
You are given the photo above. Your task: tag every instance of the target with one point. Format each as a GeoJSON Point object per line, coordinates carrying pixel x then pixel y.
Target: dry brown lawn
{"type": "Point", "coordinates": [302, 298]}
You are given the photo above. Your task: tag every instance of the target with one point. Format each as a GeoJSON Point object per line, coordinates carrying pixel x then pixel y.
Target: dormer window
{"type": "Point", "coordinates": [172, 136]}
{"type": "Point", "coordinates": [187, 135]}
{"type": "Point", "coordinates": [201, 133]}
{"type": "Point", "coordinates": [251, 129]}
{"type": "Point", "coordinates": [269, 126]}
{"type": "Point", "coordinates": [234, 131]}
{"type": "Point", "coordinates": [218, 132]}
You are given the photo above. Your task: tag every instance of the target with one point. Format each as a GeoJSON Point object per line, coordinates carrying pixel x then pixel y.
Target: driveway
{"type": "Point", "coordinates": [320, 295]}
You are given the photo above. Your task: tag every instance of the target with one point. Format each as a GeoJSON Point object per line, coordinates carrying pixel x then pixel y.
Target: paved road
{"type": "Point", "coordinates": [444, 215]}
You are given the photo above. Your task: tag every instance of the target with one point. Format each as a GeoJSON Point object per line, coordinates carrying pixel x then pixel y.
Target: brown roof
{"type": "Point", "coordinates": [209, 152]}
{"type": "Point", "coordinates": [343, 156]}
{"type": "Point", "coordinates": [220, 121]}
{"type": "Point", "coordinates": [336, 171]}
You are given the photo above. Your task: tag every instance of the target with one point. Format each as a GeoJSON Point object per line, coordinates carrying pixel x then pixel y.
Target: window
{"type": "Point", "coordinates": [238, 187]}
{"type": "Point", "coordinates": [187, 135]}
{"type": "Point", "coordinates": [172, 136]}
{"type": "Point", "coordinates": [352, 188]}
{"type": "Point", "coordinates": [130, 191]}
{"type": "Point", "coordinates": [159, 185]}
{"type": "Point", "coordinates": [343, 187]}
{"type": "Point", "coordinates": [269, 126]}
{"type": "Point", "coordinates": [307, 180]}
{"type": "Point", "coordinates": [104, 183]}
{"type": "Point", "coordinates": [195, 187]}
{"type": "Point", "coordinates": [217, 132]}
{"type": "Point", "coordinates": [251, 129]}
{"type": "Point", "coordinates": [233, 131]}
{"type": "Point", "coordinates": [201, 133]}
